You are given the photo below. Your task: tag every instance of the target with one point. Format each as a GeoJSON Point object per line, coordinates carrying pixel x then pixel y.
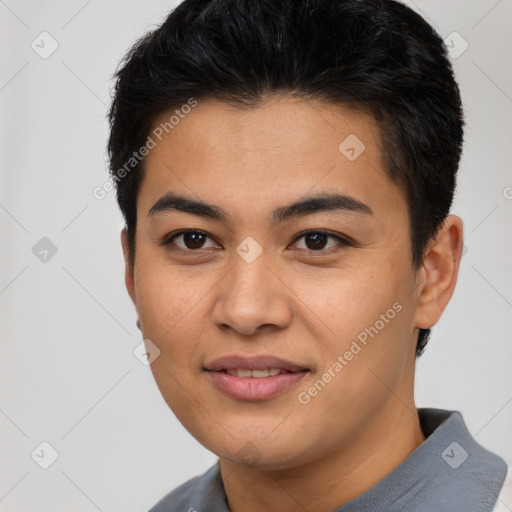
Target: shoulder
{"type": "Point", "coordinates": [194, 494]}
{"type": "Point", "coordinates": [504, 502]}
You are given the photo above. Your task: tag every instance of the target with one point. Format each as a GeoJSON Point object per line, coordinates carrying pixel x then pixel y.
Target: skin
{"type": "Point", "coordinates": [303, 306]}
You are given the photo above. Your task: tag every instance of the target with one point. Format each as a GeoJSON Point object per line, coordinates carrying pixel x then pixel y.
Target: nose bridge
{"type": "Point", "coordinates": [251, 296]}
{"type": "Point", "coordinates": [252, 278]}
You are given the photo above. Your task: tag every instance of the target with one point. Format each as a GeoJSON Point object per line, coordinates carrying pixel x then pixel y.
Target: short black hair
{"type": "Point", "coordinates": [375, 55]}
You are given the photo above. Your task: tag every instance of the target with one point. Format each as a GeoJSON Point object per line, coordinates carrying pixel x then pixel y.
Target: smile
{"type": "Point", "coordinates": [254, 378]}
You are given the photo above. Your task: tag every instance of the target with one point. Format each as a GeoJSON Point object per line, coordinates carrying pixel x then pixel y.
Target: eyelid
{"type": "Point", "coordinates": [167, 240]}
{"type": "Point", "coordinates": [344, 240]}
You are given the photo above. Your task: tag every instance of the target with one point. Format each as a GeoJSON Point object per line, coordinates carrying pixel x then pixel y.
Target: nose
{"type": "Point", "coordinates": [252, 299]}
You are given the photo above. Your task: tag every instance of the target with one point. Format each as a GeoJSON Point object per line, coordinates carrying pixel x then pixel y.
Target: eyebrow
{"type": "Point", "coordinates": [307, 206]}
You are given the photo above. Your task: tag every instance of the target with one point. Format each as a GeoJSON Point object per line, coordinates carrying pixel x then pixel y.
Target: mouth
{"type": "Point", "coordinates": [256, 374]}
{"type": "Point", "coordinates": [254, 378]}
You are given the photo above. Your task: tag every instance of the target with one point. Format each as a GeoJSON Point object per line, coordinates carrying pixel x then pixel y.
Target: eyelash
{"type": "Point", "coordinates": [343, 241]}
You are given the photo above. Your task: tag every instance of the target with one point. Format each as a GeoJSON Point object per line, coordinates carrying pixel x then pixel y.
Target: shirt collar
{"type": "Point", "coordinates": [449, 471]}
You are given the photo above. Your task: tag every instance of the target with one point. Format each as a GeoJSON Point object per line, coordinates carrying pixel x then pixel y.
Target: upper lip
{"type": "Point", "coordinates": [236, 362]}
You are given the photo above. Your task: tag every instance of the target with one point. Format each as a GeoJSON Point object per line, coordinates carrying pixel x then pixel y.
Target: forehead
{"type": "Point", "coordinates": [253, 157]}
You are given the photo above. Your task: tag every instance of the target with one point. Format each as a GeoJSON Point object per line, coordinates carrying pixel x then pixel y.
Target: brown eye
{"type": "Point", "coordinates": [193, 240]}
{"type": "Point", "coordinates": [190, 241]}
{"type": "Point", "coordinates": [319, 241]}
{"type": "Point", "coordinates": [316, 241]}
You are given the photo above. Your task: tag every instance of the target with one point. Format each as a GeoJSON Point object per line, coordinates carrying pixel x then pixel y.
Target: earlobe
{"type": "Point", "coordinates": [438, 275]}
{"type": "Point", "coordinates": [128, 269]}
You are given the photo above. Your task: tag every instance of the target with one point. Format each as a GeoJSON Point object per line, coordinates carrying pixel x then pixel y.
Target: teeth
{"type": "Point", "coordinates": [257, 374]}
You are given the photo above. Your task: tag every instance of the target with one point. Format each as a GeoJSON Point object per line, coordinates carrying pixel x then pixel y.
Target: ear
{"type": "Point", "coordinates": [438, 274]}
{"type": "Point", "coordinates": [129, 278]}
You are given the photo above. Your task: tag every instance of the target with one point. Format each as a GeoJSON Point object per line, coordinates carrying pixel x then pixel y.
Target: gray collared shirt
{"type": "Point", "coordinates": [449, 472]}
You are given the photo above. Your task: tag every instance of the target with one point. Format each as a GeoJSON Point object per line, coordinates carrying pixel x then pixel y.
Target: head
{"type": "Point", "coordinates": [266, 120]}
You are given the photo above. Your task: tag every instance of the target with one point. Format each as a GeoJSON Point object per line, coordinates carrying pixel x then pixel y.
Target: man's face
{"type": "Point", "coordinates": [332, 310]}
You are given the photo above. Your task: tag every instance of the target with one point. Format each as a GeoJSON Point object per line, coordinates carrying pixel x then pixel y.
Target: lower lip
{"type": "Point", "coordinates": [251, 388]}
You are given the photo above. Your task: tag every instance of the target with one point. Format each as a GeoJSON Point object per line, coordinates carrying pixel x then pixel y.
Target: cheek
{"type": "Point", "coordinates": [348, 301]}
{"type": "Point", "coordinates": [364, 368]}
{"type": "Point", "coordinates": [172, 311]}
{"type": "Point", "coordinates": [172, 307]}
{"type": "Point", "coordinates": [367, 318]}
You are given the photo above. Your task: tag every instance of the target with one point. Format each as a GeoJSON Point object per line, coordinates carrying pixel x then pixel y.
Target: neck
{"type": "Point", "coordinates": [332, 481]}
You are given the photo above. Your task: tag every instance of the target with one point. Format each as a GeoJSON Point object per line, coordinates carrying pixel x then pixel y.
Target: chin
{"type": "Point", "coordinates": [262, 452]}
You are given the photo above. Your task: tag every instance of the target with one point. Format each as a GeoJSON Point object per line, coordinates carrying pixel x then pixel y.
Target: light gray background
{"type": "Point", "coordinates": [67, 372]}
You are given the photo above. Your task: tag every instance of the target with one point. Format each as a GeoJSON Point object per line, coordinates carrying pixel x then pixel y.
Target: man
{"type": "Point", "coordinates": [286, 170]}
